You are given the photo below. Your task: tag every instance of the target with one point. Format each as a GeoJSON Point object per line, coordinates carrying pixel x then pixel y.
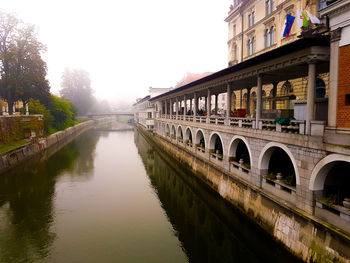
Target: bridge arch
{"type": "Point", "coordinates": [179, 132]}
{"type": "Point", "coordinates": [216, 143]}
{"type": "Point", "coordinates": [200, 138]}
{"type": "Point", "coordinates": [270, 161]}
{"type": "Point", "coordinates": [323, 169]}
{"type": "Point", "coordinates": [168, 130]}
{"type": "Point", "coordinates": [239, 149]}
{"type": "Point", "coordinates": [173, 131]}
{"type": "Point", "coordinates": [189, 135]}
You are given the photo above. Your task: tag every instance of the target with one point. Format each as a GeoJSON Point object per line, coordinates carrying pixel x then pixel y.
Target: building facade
{"type": "Point", "coordinates": [255, 27]}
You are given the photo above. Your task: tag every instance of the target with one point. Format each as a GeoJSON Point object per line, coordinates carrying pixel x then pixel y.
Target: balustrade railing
{"type": "Point", "coordinates": [294, 126]}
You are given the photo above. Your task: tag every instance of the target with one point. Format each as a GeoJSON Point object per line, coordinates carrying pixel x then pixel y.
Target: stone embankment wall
{"type": "Point", "coordinates": [305, 236]}
{"type": "Point", "coordinates": [12, 158]}
{"type": "Point", "coordinates": [18, 127]}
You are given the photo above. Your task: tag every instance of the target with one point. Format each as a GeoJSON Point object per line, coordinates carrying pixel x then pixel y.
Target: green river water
{"type": "Point", "coordinates": [113, 197]}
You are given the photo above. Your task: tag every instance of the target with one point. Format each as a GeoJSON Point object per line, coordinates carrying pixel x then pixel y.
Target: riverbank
{"type": "Point", "coordinates": [17, 156]}
{"type": "Point", "coordinates": [305, 236]}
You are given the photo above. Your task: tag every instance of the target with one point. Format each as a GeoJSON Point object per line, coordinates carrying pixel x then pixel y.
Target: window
{"type": "Point", "coordinates": [235, 53]}
{"type": "Point", "coordinates": [248, 47]}
{"type": "Point", "coordinates": [272, 35]}
{"type": "Point", "coordinates": [253, 18]}
{"type": "Point", "coordinates": [251, 46]}
{"type": "Point", "coordinates": [269, 5]}
{"type": "Point", "coordinates": [320, 89]}
{"type": "Point", "coordinates": [347, 99]}
{"type": "Point", "coordinates": [249, 20]}
{"type": "Point", "coordinates": [234, 29]}
{"type": "Point", "coordinates": [267, 38]}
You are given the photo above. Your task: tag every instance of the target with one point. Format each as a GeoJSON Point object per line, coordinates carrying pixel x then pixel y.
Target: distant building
{"type": "Point", "coordinates": [144, 110]}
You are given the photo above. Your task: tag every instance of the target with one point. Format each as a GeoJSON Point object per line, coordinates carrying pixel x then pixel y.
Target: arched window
{"type": "Point", "coordinates": [320, 89]}
{"type": "Point", "coordinates": [253, 45]}
{"type": "Point", "coordinates": [272, 35]}
{"type": "Point", "coordinates": [235, 53]}
{"type": "Point", "coordinates": [248, 47]}
{"type": "Point", "coordinates": [267, 38]}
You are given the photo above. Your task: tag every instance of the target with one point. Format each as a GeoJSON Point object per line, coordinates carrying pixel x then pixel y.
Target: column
{"type": "Point", "coordinates": [258, 100]}
{"type": "Point", "coordinates": [241, 99]}
{"type": "Point", "coordinates": [311, 81]}
{"type": "Point", "coordinates": [185, 107]}
{"type": "Point", "coordinates": [216, 104]}
{"type": "Point", "coordinates": [171, 108]}
{"type": "Point", "coordinates": [195, 101]}
{"type": "Point", "coordinates": [274, 94]}
{"type": "Point", "coordinates": [177, 106]}
{"type": "Point", "coordinates": [333, 78]}
{"type": "Point", "coordinates": [228, 101]}
{"type": "Point", "coordinates": [248, 101]}
{"type": "Point", "coordinates": [191, 110]}
{"type": "Point", "coordinates": [166, 107]}
{"type": "Point", "coordinates": [208, 104]}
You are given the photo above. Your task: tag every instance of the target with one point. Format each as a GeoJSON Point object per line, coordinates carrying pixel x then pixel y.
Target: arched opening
{"type": "Point", "coordinates": [287, 91]}
{"type": "Point", "coordinates": [333, 183]}
{"type": "Point", "coordinates": [280, 167]}
{"type": "Point", "coordinates": [188, 137]}
{"type": "Point", "coordinates": [320, 91]}
{"type": "Point", "coordinates": [180, 136]}
{"type": "Point", "coordinates": [239, 154]}
{"type": "Point", "coordinates": [200, 142]}
{"type": "Point", "coordinates": [215, 146]}
{"type": "Point", "coordinates": [167, 130]}
{"type": "Point", "coordinates": [173, 132]}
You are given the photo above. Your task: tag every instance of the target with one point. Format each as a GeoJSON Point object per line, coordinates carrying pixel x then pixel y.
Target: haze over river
{"type": "Point", "coordinates": [113, 197]}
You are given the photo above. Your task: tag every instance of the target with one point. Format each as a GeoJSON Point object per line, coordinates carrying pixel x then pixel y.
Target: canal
{"type": "Point", "coordinates": [113, 197]}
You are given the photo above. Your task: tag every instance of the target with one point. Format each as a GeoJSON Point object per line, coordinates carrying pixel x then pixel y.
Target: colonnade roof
{"type": "Point", "coordinates": [289, 61]}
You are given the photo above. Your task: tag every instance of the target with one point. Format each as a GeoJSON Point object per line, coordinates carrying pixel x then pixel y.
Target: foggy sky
{"type": "Point", "coordinates": [128, 46]}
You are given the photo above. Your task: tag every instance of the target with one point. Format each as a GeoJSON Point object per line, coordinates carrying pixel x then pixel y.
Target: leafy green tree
{"type": "Point", "coordinates": [22, 70]}
{"type": "Point", "coordinates": [35, 107]}
{"type": "Point", "coordinates": [63, 113]}
{"type": "Point", "coordinates": [76, 87]}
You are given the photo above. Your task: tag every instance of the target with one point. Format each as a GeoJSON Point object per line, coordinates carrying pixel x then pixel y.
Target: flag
{"type": "Point", "coordinates": [301, 19]}
{"type": "Point", "coordinates": [288, 23]}
{"type": "Point", "coordinates": [313, 18]}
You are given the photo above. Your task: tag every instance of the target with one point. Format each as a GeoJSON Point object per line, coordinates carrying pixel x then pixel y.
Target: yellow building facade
{"type": "Point", "coordinates": [255, 27]}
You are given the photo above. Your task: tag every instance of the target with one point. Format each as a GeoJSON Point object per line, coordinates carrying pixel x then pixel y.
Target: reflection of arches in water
{"type": "Point", "coordinates": [183, 211]}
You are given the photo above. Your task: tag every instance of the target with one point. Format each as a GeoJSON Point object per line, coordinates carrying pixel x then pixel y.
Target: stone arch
{"type": "Point", "coordinates": [216, 143]}
{"type": "Point", "coordinates": [234, 144]}
{"type": "Point", "coordinates": [179, 132]}
{"type": "Point", "coordinates": [173, 130]}
{"type": "Point", "coordinates": [200, 138]}
{"type": "Point", "coordinates": [319, 173]}
{"type": "Point", "coordinates": [168, 129]}
{"type": "Point", "coordinates": [189, 135]}
{"type": "Point", "coordinates": [267, 151]}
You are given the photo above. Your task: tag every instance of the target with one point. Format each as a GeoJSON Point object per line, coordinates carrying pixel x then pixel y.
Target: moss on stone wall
{"type": "Point", "coordinates": [17, 128]}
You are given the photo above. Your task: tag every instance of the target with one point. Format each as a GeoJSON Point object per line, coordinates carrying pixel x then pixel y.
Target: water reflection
{"type": "Point", "coordinates": [209, 230]}
{"type": "Point", "coordinates": [26, 199]}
